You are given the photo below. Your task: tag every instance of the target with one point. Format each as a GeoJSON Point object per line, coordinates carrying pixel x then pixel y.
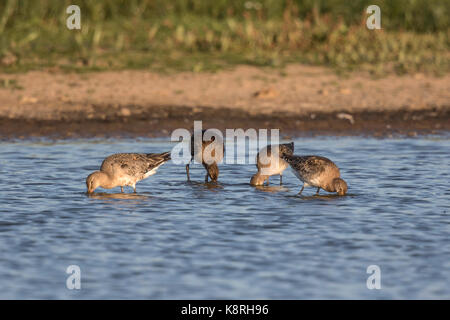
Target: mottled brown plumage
{"type": "Point", "coordinates": [318, 172]}
{"type": "Point", "coordinates": [125, 169]}
{"type": "Point", "coordinates": [269, 162]}
{"type": "Point", "coordinates": [207, 158]}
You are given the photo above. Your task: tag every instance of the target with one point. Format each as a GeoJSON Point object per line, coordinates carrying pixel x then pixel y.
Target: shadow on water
{"type": "Point", "coordinates": [330, 196]}
{"type": "Point", "coordinates": [212, 186]}
{"type": "Point", "coordinates": [118, 196]}
{"type": "Point", "coordinates": [226, 240]}
{"type": "Point", "coordinates": [272, 189]}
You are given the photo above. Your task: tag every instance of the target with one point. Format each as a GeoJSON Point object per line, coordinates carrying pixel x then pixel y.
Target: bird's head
{"type": "Point", "coordinates": [213, 171]}
{"type": "Point", "coordinates": [93, 181]}
{"type": "Point", "coordinates": [258, 179]}
{"type": "Point", "coordinates": [340, 186]}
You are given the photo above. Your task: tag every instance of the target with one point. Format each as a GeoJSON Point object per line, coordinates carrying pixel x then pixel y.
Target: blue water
{"type": "Point", "coordinates": [179, 240]}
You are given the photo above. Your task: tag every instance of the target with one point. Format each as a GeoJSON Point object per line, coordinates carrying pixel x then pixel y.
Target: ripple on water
{"type": "Point", "coordinates": [177, 239]}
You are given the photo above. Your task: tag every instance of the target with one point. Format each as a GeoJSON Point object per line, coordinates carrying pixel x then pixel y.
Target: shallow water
{"type": "Point", "coordinates": [179, 240]}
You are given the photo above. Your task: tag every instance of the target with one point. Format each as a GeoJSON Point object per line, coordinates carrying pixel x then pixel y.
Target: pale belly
{"type": "Point", "coordinates": [150, 173]}
{"type": "Point", "coordinates": [126, 181]}
{"type": "Point", "coordinates": [277, 166]}
{"type": "Point", "coordinates": [130, 181]}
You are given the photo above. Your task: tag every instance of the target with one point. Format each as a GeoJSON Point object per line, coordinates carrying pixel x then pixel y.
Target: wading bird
{"type": "Point", "coordinates": [269, 162]}
{"type": "Point", "coordinates": [317, 172]}
{"type": "Point", "coordinates": [207, 158]}
{"type": "Point", "coordinates": [125, 169]}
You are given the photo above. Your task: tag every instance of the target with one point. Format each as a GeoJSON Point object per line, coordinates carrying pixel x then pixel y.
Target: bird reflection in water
{"type": "Point", "coordinates": [117, 196]}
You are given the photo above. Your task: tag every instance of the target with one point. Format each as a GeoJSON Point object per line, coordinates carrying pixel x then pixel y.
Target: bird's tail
{"type": "Point", "coordinates": [159, 158]}
{"type": "Point", "coordinates": [165, 155]}
{"type": "Point", "coordinates": [287, 157]}
{"type": "Point", "coordinates": [287, 148]}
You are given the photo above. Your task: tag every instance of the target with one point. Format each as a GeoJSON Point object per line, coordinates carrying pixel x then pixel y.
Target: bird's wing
{"type": "Point", "coordinates": [307, 165]}
{"type": "Point", "coordinates": [296, 162]}
{"type": "Point", "coordinates": [134, 164]}
{"type": "Point", "coordinates": [154, 160]}
{"type": "Point", "coordinates": [315, 165]}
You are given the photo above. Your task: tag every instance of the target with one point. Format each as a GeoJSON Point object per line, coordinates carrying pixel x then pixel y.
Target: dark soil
{"type": "Point", "coordinates": [161, 121]}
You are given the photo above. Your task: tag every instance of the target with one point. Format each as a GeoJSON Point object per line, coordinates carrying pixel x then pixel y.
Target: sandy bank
{"type": "Point", "coordinates": [301, 100]}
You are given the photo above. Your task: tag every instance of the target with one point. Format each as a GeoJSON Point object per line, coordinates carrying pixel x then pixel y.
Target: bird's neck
{"type": "Point", "coordinates": [106, 181]}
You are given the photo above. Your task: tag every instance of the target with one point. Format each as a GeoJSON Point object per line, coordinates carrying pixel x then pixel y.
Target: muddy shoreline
{"type": "Point", "coordinates": [161, 121]}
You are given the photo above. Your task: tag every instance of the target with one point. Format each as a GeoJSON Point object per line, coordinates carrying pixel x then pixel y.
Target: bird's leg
{"type": "Point", "coordinates": [187, 172]}
{"type": "Point", "coordinates": [134, 188]}
{"type": "Point", "coordinates": [121, 189]}
{"type": "Point", "coordinates": [268, 180]}
{"type": "Point", "coordinates": [281, 179]}
{"type": "Point", "coordinates": [317, 192]}
{"type": "Point", "coordinates": [206, 177]}
{"type": "Point", "coordinates": [303, 187]}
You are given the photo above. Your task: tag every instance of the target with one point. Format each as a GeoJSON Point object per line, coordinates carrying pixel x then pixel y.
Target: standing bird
{"type": "Point", "coordinates": [125, 169]}
{"type": "Point", "coordinates": [269, 162]}
{"type": "Point", "coordinates": [198, 151]}
{"type": "Point", "coordinates": [318, 172]}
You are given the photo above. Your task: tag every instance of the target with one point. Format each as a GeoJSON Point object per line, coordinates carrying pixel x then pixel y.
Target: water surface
{"type": "Point", "coordinates": [179, 240]}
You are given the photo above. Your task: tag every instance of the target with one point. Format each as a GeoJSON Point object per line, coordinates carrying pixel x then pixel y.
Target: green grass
{"type": "Point", "coordinates": [10, 84]}
{"type": "Point", "coordinates": [200, 35]}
